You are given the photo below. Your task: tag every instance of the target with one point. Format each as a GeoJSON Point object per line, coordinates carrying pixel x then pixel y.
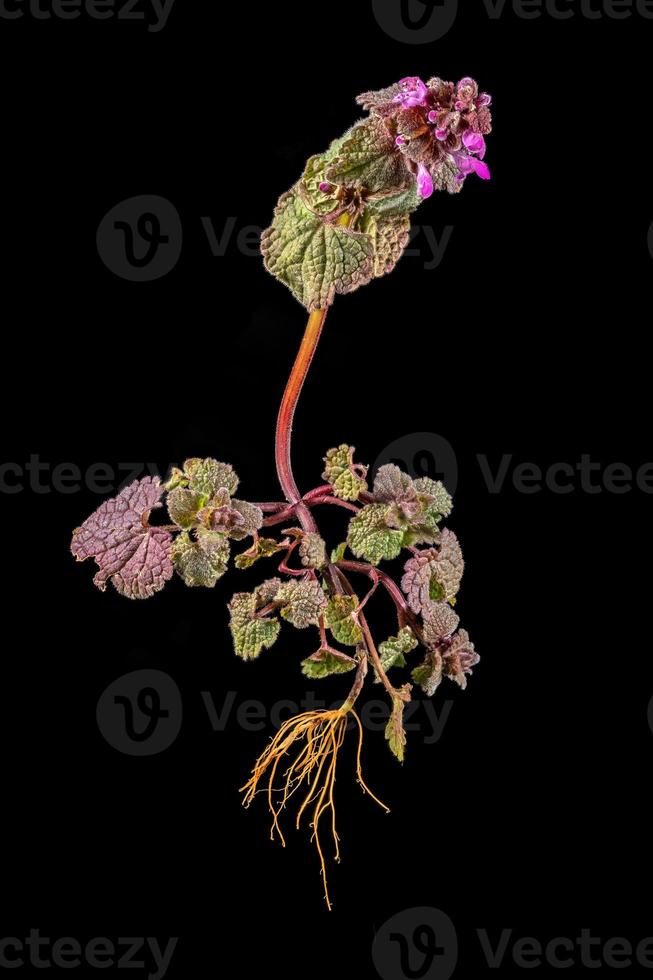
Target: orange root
{"type": "Point", "coordinates": [321, 734]}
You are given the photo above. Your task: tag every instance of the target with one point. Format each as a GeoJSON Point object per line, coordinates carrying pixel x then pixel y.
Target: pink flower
{"type": "Point", "coordinates": [413, 93]}
{"type": "Point", "coordinates": [475, 143]}
{"type": "Point", "coordinates": [466, 160]}
{"type": "Point", "coordinates": [424, 182]}
{"type": "Point", "coordinates": [468, 164]}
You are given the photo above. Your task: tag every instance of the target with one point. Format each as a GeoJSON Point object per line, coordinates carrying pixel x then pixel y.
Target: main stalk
{"type": "Point", "coordinates": [287, 413]}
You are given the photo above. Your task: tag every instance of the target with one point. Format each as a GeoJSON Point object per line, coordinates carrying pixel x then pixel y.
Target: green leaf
{"type": "Point", "coordinates": [183, 507]}
{"type": "Point", "coordinates": [393, 650]}
{"type": "Point", "coordinates": [200, 562]}
{"type": "Point", "coordinates": [370, 537]}
{"type": "Point", "coordinates": [302, 602]}
{"type": "Point", "coordinates": [394, 732]}
{"type": "Point", "coordinates": [252, 520]}
{"type": "Point", "coordinates": [339, 471]}
{"type": "Point", "coordinates": [207, 476]}
{"type": "Point", "coordinates": [263, 548]}
{"type": "Point", "coordinates": [442, 501]}
{"type": "Point", "coordinates": [368, 156]}
{"type": "Point", "coordinates": [429, 673]}
{"type": "Point", "coordinates": [312, 550]}
{"type": "Point", "coordinates": [251, 634]}
{"type": "Point", "coordinates": [338, 617]}
{"type": "Point", "coordinates": [176, 479]}
{"type": "Point", "coordinates": [255, 636]}
{"type": "Point", "coordinates": [315, 259]}
{"type": "Point", "coordinates": [314, 175]}
{"type": "Point", "coordinates": [338, 553]}
{"type": "Point", "coordinates": [327, 662]}
{"type": "Point", "coordinates": [389, 237]}
{"type": "Point", "coordinates": [393, 205]}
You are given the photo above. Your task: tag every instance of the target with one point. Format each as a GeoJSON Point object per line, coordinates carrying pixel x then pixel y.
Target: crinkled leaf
{"type": "Point", "coordinates": [176, 479]}
{"type": "Point", "coordinates": [251, 634]}
{"type": "Point", "coordinates": [315, 174]}
{"type": "Point", "coordinates": [327, 662]}
{"type": "Point", "coordinates": [434, 574]}
{"type": "Point", "coordinates": [389, 237]}
{"type": "Point", "coordinates": [429, 673]}
{"type": "Point", "coordinates": [208, 476]}
{"type": "Point", "coordinates": [340, 472]}
{"type": "Point", "coordinates": [313, 258]}
{"type": "Point", "coordinates": [267, 591]}
{"type": "Point", "coordinates": [393, 205]}
{"type": "Point", "coordinates": [255, 636]}
{"type": "Point", "coordinates": [391, 485]}
{"type": "Point", "coordinates": [368, 157]}
{"type": "Point", "coordinates": [312, 550]}
{"type": "Point", "coordinates": [302, 601]}
{"type": "Point", "coordinates": [392, 651]}
{"type": "Point", "coordinates": [394, 732]}
{"type": "Point", "coordinates": [460, 658]}
{"type": "Point", "coordinates": [201, 559]}
{"type": "Point", "coordinates": [442, 501]}
{"type": "Point", "coordinates": [262, 548]}
{"type": "Point", "coordinates": [380, 101]}
{"type": "Point", "coordinates": [370, 537]}
{"type": "Point", "coordinates": [440, 621]}
{"type": "Point", "coordinates": [135, 556]}
{"type": "Point", "coordinates": [183, 507]}
{"type": "Point", "coordinates": [252, 520]}
{"type": "Point", "coordinates": [339, 618]}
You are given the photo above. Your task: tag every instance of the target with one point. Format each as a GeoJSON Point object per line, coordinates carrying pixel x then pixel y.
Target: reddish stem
{"type": "Point", "coordinates": [287, 413]}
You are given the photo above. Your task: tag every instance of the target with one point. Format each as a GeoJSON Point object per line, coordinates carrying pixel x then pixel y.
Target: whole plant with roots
{"type": "Point", "coordinates": [345, 221]}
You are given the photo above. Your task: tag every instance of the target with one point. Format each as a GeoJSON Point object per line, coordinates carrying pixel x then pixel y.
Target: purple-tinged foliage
{"type": "Point", "coordinates": [127, 550]}
{"type": "Point", "coordinates": [347, 219]}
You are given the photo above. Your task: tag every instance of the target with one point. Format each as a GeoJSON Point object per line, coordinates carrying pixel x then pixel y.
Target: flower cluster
{"type": "Point", "coordinates": [439, 127]}
{"type": "Point", "coordinates": [347, 219]}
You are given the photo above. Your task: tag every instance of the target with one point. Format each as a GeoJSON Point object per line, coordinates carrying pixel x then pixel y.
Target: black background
{"type": "Point", "coordinates": [532, 811]}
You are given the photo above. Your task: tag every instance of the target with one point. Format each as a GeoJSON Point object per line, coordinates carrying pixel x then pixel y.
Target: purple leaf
{"type": "Point", "coordinates": [135, 556]}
